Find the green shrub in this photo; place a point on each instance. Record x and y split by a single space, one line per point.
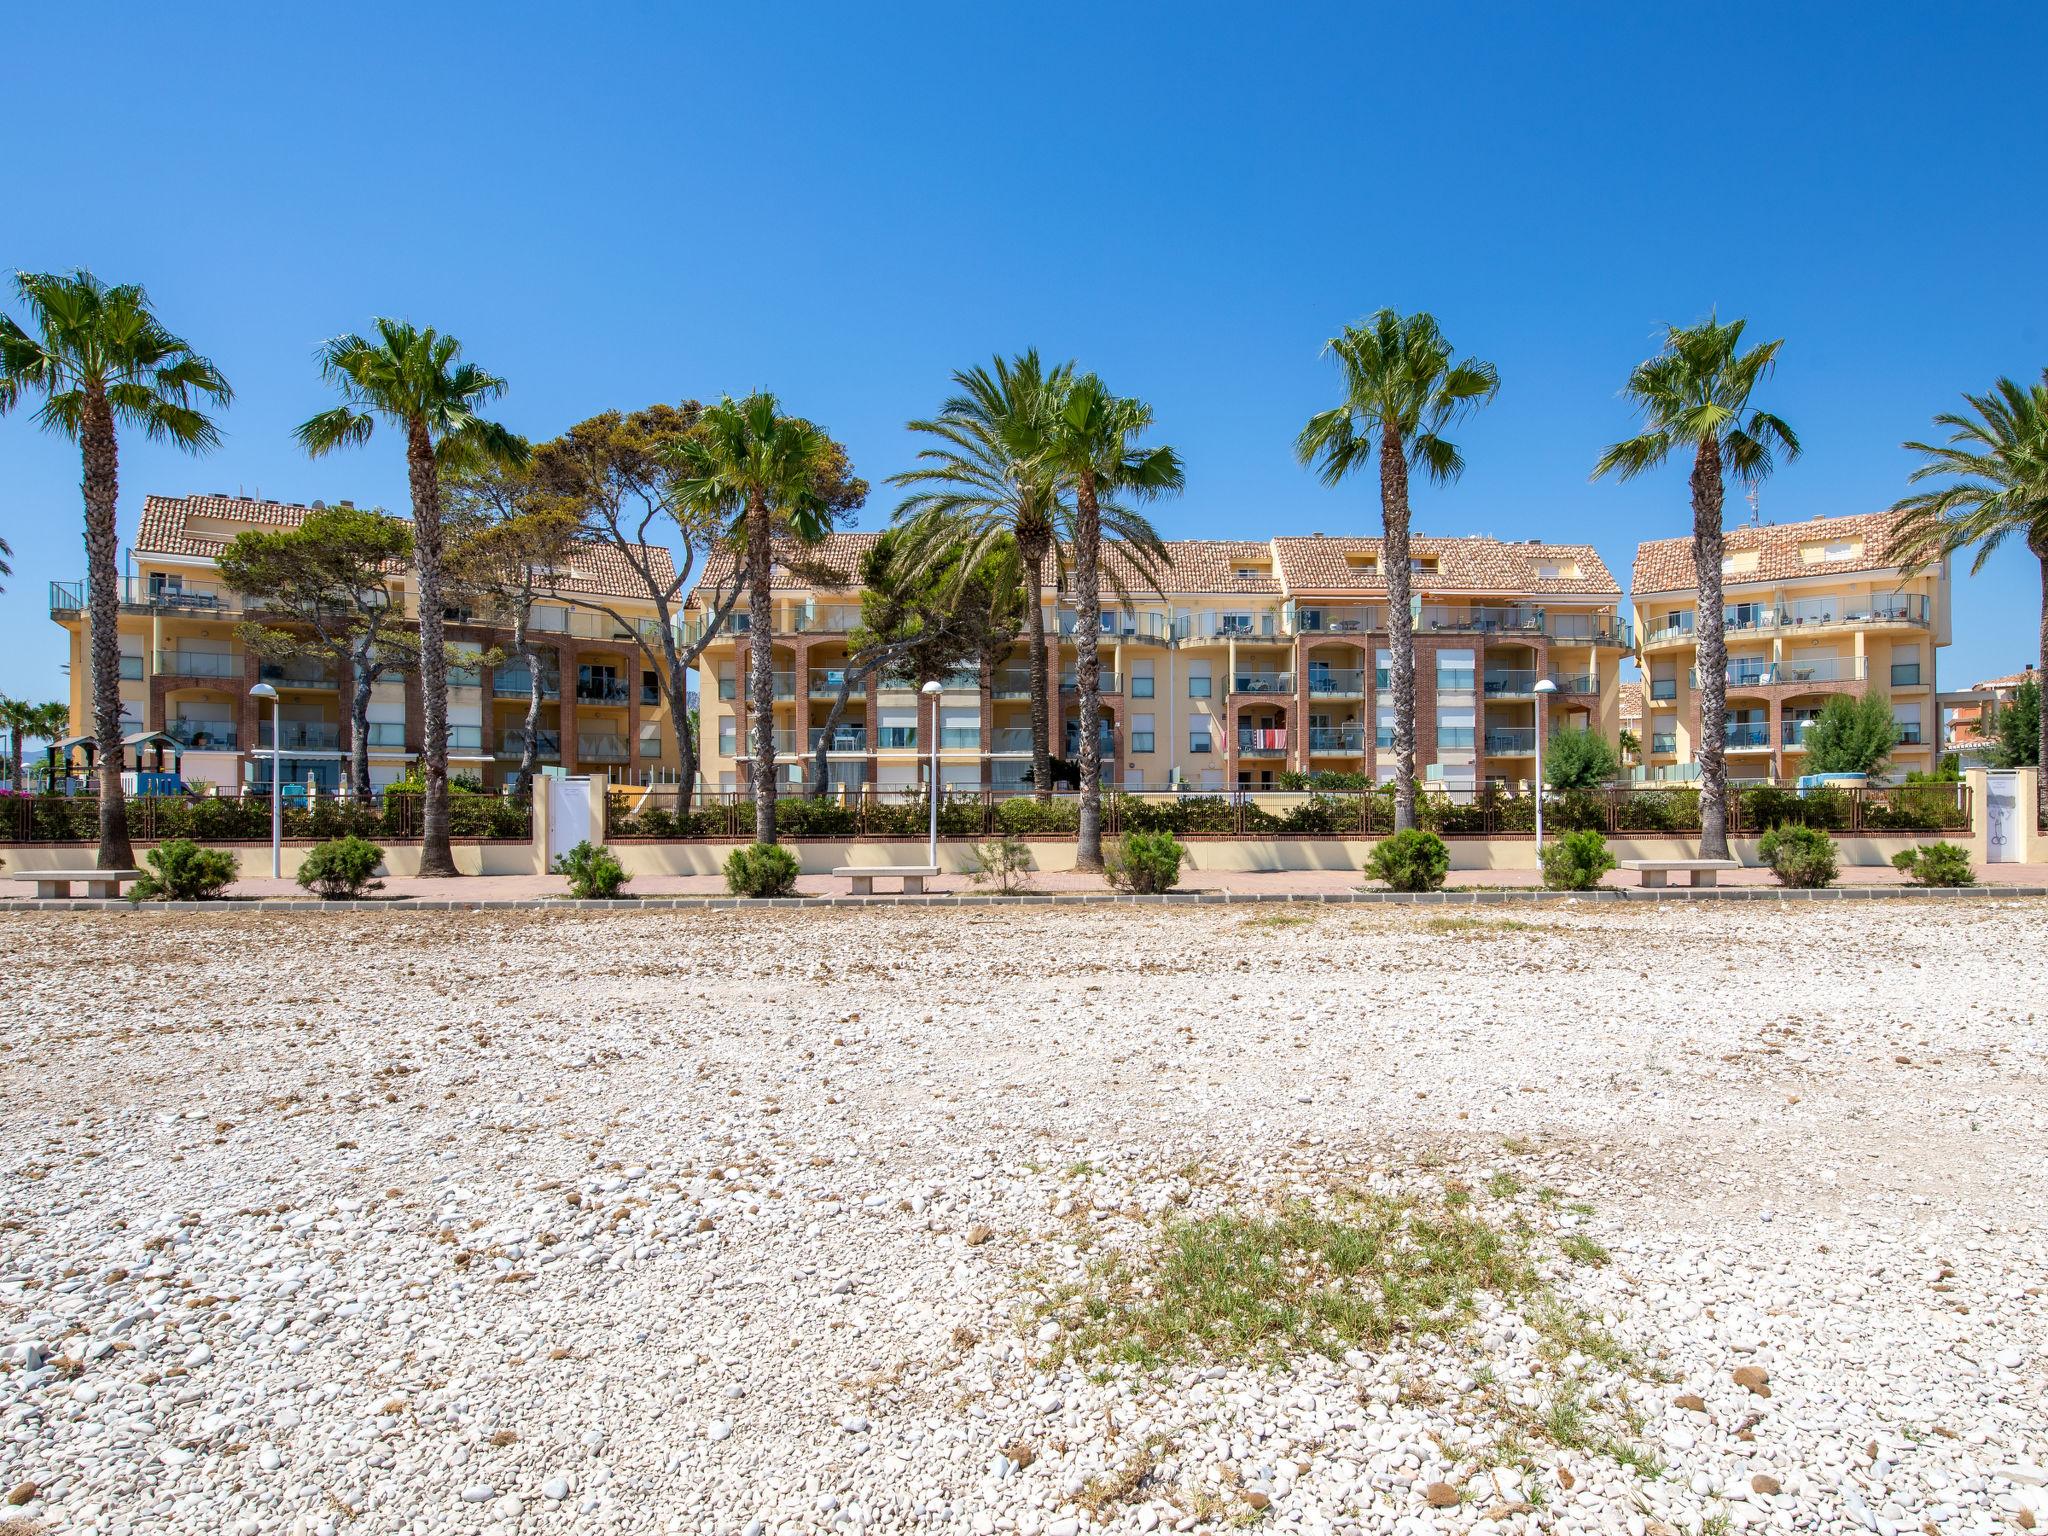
1575 810
344 867
181 870
1002 862
1414 860
1936 864
1579 759
593 873
1767 806
764 869
1800 856
1658 810
1576 861
1028 816
815 818
1929 806
1145 862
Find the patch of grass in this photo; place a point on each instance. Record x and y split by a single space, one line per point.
1106 1490
1503 1186
1568 1331
1644 1463
1581 1249
1083 1170
1277 920
1564 1420
1480 925
1548 1196
1717 1525
1517 1146
1580 1208
1258 1287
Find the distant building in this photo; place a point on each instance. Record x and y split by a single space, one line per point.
1968 715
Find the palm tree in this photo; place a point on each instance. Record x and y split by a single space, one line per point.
976 492
1997 465
1090 439
1695 394
416 380
101 359
25 721
770 474
1402 389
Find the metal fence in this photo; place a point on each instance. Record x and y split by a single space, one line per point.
397 817
874 813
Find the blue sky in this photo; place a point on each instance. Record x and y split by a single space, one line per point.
845 203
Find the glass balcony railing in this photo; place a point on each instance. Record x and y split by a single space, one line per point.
180 663
602 689
1262 682
1510 741
600 748
1668 743
1807 669
1010 739
1454 679
1383 737
1323 619
519 682
1110 682
1336 682
824 618
387 733
1483 620
1748 735
845 738
1457 738
203 735
896 738
302 735
959 738
1258 624
1580 682
1510 683
783 683
1011 683
1262 743
546 744
1793 732
1341 739
300 674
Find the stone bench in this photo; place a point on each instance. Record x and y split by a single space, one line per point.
57 883
1701 872
912 875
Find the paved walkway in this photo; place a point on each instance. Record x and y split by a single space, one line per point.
1276 883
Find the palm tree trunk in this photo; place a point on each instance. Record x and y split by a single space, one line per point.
436 858
1400 630
359 725
760 566
1041 670
1088 667
101 456
529 750
1712 653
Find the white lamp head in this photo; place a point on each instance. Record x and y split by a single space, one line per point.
263 691
932 687
1545 685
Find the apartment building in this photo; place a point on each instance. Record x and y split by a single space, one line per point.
1247 660
1969 717
1811 609
185 673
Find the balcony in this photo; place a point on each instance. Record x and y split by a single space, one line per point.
1580 682
219 665
302 736
1258 625
1339 740
1325 620
1336 682
603 690
1510 683
599 748
301 674
1811 669
152 594
1792 733
1110 683
1483 621
1676 631
546 744
517 681
203 735
1152 627
1262 743
896 738
1454 679
1749 736
1510 741
825 619
827 680
1262 682
1010 683
1010 740
1591 629
783 684
959 738
845 738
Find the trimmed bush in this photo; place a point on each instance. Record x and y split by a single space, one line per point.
1027 816
346 867
593 873
1145 862
765 869
815 818
1936 864
1576 861
181 870
1801 857
1414 860
1768 806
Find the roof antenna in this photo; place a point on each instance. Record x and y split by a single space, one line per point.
1755 521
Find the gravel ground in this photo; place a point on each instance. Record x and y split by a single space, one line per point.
744 1222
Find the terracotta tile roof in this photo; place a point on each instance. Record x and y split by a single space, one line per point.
1998 684
1665 565
1317 565
596 570
835 553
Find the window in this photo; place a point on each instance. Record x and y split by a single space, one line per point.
1907 718
1664 683
1141 733
1454 728
1383 726
1198 680
1905 666
1454 670
650 738
650 688
1382 668
1198 736
726 736
1141 679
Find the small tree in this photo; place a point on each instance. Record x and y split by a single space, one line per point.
331 579
1579 759
23 720
505 545
1854 734
2016 728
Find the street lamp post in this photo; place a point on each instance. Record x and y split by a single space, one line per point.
931 691
1544 688
265 691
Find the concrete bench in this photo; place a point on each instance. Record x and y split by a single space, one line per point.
51 883
912 875
1702 872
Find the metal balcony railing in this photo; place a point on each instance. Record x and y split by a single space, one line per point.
600 749
1262 682
1511 741
1748 735
1510 683
1326 619
299 674
204 735
545 744
1340 739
